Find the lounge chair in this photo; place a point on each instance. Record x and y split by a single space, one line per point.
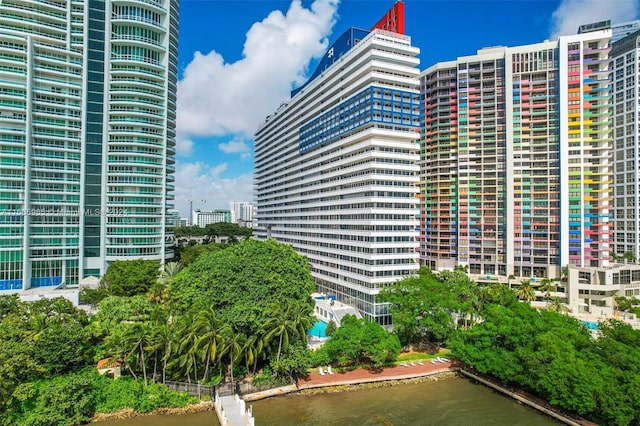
404 364
321 371
420 363
433 361
329 370
445 360
413 364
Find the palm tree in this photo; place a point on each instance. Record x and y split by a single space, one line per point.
138 339
163 342
557 306
117 344
37 325
287 322
187 347
525 292
158 291
300 315
169 271
628 256
234 346
253 348
467 296
212 334
547 286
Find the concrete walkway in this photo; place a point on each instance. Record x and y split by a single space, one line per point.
231 411
354 377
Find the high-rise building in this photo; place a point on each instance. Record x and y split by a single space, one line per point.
242 213
87 135
517 170
625 54
336 166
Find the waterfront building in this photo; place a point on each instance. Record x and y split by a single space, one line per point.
625 54
203 218
517 165
87 135
336 166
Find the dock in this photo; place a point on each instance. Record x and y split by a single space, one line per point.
232 411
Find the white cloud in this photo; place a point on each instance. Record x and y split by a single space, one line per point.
184 146
216 98
202 183
216 171
570 14
236 146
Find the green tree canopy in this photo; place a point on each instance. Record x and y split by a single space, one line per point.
422 308
242 281
554 356
218 229
189 254
225 229
131 277
360 341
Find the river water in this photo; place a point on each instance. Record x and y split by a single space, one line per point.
454 401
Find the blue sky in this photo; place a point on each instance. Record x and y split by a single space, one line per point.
238 60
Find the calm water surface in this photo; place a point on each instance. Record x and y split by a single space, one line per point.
448 402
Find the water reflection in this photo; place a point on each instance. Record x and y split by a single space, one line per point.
448 402
453 401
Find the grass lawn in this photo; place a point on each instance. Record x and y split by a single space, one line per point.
421 356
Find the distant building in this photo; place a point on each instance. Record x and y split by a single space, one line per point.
242 213
204 218
173 219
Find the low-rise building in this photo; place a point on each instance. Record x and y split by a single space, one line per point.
593 290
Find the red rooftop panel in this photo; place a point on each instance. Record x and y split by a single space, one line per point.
393 20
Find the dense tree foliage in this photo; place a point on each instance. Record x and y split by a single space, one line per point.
243 281
131 277
74 399
214 229
239 309
124 278
542 351
427 308
554 356
188 254
359 341
247 306
39 340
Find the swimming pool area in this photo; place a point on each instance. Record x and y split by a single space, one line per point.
318 330
591 325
